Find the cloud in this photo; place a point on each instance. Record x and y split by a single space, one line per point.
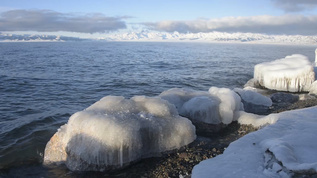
51 21
295 5
286 24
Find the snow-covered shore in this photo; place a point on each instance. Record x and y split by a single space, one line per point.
283 149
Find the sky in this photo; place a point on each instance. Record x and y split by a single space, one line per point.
100 17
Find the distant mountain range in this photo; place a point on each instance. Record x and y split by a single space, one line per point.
4 37
212 37
173 37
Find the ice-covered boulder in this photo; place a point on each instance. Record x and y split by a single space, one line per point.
202 108
230 103
115 131
293 73
254 102
287 148
218 105
196 105
178 96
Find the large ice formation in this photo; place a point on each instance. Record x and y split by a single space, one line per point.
284 149
116 131
293 73
219 105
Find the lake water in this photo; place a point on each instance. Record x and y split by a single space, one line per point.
42 84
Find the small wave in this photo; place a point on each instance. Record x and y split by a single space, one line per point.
21 141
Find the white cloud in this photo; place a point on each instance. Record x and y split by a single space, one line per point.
51 21
295 5
286 24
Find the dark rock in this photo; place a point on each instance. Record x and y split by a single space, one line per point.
255 109
281 97
203 128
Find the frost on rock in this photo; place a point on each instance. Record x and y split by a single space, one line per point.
219 105
115 131
254 102
287 148
293 73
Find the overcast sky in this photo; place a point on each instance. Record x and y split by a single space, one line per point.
290 17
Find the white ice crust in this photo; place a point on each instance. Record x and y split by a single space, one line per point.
230 103
278 150
293 73
256 120
116 131
218 105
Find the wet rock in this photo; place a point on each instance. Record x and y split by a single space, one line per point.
281 97
208 129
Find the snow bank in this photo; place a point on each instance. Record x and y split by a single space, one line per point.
293 73
219 105
283 149
116 131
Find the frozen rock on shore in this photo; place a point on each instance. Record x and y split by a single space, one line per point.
287 148
217 106
293 73
254 102
115 131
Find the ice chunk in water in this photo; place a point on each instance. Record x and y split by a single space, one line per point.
115 131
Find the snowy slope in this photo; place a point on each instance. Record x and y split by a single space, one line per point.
284 149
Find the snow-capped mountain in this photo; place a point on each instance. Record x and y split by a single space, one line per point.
211 37
172 37
4 37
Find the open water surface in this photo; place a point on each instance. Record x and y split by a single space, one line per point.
42 84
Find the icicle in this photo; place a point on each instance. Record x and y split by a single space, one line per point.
121 156
316 57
